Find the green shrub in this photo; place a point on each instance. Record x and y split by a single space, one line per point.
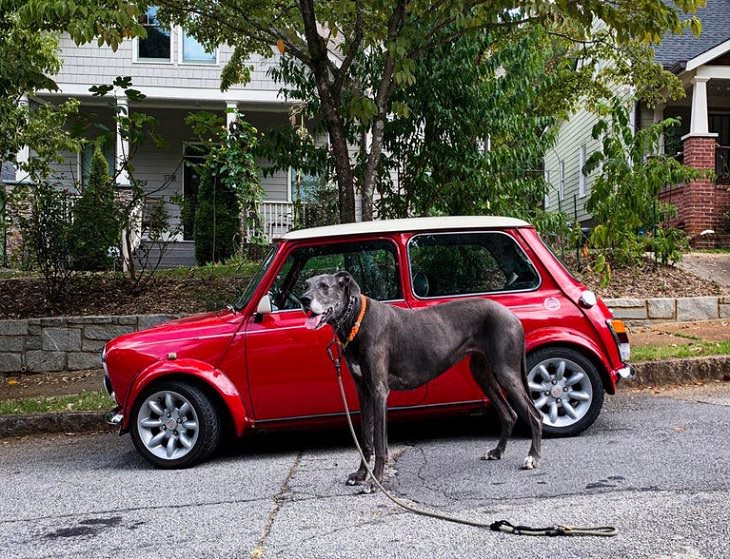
217 229
96 222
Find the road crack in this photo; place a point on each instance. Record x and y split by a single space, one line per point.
279 500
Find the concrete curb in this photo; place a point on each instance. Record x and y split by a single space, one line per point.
63 422
648 373
682 371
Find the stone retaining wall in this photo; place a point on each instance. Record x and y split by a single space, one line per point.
682 309
75 343
64 343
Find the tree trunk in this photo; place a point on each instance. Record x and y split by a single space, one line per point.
366 196
330 100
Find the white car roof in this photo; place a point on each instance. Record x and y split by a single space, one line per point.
411 224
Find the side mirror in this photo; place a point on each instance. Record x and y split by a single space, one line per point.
264 306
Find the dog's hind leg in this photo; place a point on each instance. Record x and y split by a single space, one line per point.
366 432
507 416
511 381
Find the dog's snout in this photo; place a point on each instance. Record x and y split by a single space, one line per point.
306 300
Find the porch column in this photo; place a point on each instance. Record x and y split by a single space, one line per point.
698 123
23 156
231 113
697 207
132 234
658 117
122 151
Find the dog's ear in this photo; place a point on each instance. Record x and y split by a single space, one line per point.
348 284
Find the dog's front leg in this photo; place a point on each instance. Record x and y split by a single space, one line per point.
366 427
380 435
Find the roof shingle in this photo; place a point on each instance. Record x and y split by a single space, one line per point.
715 16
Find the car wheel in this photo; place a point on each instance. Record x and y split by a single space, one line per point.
566 389
175 425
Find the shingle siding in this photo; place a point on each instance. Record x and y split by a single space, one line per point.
92 65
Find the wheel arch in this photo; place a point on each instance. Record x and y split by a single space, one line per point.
213 382
554 338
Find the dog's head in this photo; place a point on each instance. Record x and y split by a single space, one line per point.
327 297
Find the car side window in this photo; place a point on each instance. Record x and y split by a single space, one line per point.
373 264
448 264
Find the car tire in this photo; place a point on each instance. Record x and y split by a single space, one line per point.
175 425
566 388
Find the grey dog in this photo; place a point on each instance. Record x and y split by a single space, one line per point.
402 349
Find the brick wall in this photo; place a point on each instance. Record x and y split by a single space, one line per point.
700 204
64 343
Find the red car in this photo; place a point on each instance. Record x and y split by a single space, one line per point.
255 365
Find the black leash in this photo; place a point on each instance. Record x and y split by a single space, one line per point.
499 526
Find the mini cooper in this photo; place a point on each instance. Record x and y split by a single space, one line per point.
256 366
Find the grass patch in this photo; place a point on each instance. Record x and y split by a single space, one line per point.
722 250
661 352
233 268
86 401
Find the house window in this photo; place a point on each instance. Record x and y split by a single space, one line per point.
194 53
561 184
85 156
581 176
157 45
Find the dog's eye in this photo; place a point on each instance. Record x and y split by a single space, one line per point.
324 287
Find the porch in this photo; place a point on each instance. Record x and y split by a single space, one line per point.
168 171
702 141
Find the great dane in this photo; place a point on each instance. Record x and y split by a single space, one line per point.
387 347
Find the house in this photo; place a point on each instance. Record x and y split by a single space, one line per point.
701 141
178 77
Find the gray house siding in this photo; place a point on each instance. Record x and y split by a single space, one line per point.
161 167
574 134
89 64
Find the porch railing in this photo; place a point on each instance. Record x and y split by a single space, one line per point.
277 218
722 164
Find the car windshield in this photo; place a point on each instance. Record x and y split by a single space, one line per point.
256 279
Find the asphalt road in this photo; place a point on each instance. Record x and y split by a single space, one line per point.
655 466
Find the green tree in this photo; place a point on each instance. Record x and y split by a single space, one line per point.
231 193
332 39
217 228
623 197
472 138
96 225
27 59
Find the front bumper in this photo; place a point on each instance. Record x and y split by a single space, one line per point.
115 418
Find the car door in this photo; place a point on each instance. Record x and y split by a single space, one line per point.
290 375
448 266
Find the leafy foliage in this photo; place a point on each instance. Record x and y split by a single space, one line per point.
437 148
96 228
217 224
623 198
43 213
229 171
360 54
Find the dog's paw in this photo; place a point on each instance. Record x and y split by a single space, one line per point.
368 487
494 454
356 478
530 463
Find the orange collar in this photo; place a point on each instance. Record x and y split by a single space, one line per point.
356 326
